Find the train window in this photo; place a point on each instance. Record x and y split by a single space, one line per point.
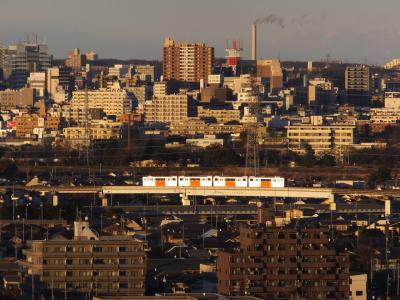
209 179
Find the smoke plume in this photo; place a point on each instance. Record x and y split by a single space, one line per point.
271 19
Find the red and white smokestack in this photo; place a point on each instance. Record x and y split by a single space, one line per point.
254 42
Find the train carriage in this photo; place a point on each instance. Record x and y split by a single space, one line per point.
266 182
193 181
219 181
161 181
214 181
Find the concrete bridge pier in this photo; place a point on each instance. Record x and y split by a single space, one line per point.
55 199
104 201
185 199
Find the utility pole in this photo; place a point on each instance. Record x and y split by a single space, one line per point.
252 153
87 128
129 133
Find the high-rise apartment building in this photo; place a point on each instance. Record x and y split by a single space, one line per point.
22 59
187 61
75 59
89 263
296 261
358 85
167 109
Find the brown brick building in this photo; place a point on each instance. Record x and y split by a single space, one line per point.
25 125
187 61
284 263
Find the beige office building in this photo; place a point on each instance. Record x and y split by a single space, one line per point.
271 69
88 263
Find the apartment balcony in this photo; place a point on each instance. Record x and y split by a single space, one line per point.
318 277
254 253
105 254
105 267
319 288
255 277
256 289
312 265
132 266
286 265
236 276
282 253
282 241
76 255
318 252
281 276
276 289
315 241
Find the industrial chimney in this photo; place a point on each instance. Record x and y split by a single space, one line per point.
254 42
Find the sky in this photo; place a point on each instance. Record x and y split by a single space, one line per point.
359 31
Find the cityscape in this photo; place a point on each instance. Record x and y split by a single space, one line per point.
195 173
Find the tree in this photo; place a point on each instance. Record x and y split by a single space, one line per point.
308 159
326 160
217 155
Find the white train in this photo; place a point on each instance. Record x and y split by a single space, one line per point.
214 181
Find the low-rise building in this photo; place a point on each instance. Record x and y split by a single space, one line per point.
98 131
167 109
221 115
195 126
206 141
25 124
320 137
88 263
358 287
385 115
10 99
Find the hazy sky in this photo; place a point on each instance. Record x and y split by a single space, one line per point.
351 30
